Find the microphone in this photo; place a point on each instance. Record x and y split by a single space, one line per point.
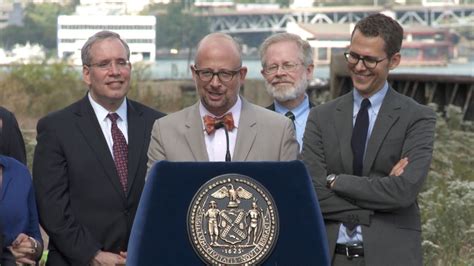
220 125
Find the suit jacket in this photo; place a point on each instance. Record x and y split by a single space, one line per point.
81 203
385 206
18 212
262 136
11 140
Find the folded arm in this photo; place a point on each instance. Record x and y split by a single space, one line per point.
386 190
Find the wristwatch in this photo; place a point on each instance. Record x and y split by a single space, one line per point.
330 179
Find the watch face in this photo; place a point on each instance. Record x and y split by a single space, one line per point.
329 179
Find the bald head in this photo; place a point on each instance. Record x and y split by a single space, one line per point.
218 57
219 42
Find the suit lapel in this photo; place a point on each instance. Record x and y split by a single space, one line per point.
136 140
247 132
343 123
90 129
195 134
388 115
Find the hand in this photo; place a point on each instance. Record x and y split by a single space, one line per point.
108 258
398 168
23 249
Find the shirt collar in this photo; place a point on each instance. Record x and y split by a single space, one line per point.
235 110
375 100
102 113
297 111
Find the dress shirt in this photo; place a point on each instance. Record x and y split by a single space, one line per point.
105 123
301 113
373 110
216 143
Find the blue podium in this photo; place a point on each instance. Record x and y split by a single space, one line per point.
159 234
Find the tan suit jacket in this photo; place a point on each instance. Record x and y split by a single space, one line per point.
262 135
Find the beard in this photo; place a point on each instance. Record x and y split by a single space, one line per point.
287 92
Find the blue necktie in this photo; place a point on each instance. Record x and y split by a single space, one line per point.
359 137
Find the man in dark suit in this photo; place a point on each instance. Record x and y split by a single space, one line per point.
287 66
11 140
90 161
369 152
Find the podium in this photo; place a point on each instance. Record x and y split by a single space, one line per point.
159 234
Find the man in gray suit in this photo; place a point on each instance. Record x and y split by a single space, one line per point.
222 125
369 152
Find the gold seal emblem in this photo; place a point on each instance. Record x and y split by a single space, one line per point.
233 220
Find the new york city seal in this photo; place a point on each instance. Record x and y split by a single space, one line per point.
233 220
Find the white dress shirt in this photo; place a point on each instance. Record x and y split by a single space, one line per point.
105 123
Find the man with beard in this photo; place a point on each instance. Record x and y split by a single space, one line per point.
287 66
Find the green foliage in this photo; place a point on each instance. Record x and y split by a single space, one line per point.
179 30
39 26
447 202
36 90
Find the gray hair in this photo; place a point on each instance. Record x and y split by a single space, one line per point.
99 36
306 52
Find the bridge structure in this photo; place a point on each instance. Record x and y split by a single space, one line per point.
238 22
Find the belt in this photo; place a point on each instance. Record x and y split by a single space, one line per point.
351 251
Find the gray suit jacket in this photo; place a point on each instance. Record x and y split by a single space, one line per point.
262 135
384 205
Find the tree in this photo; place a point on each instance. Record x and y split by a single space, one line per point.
39 26
180 30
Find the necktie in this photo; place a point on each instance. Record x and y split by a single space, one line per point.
291 116
359 137
211 122
120 150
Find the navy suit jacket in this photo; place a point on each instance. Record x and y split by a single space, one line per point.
81 203
18 213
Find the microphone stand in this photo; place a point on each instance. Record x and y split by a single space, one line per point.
220 125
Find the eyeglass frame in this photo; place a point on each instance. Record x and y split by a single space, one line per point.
363 58
234 72
282 67
106 65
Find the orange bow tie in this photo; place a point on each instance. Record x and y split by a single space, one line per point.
211 122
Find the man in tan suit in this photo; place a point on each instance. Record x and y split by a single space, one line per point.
254 133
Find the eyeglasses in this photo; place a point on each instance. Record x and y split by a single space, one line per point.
107 64
287 67
369 61
208 74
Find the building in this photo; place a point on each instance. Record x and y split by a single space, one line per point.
422 45
325 39
11 14
138 31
